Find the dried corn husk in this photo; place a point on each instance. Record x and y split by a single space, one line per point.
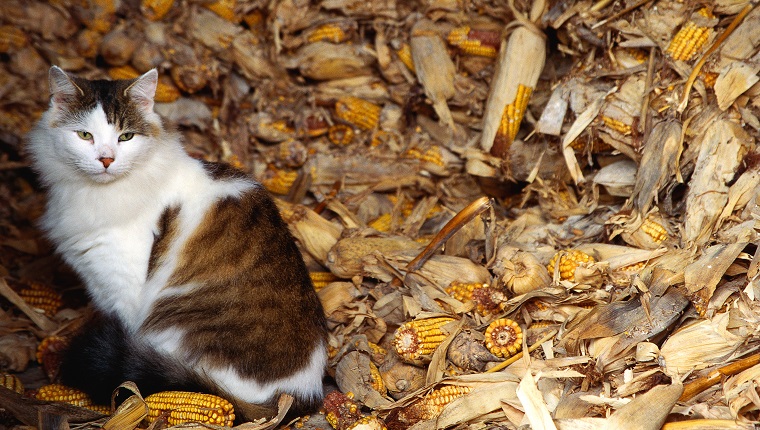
316 234
325 60
722 146
520 62
434 68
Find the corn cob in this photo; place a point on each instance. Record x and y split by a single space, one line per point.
419 338
340 134
504 337
279 181
154 10
619 126
225 9
382 223
654 229
569 260
185 407
321 279
431 406
377 353
11 382
341 410
358 112
405 55
41 297
102 17
709 78
62 393
487 300
315 126
690 39
253 19
633 268
49 354
537 325
512 117
376 379
431 155
10 38
166 91
327 33
483 43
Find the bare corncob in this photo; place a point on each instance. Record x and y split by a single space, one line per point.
654 229
432 404
690 39
419 338
504 337
321 279
154 10
11 38
569 260
185 407
11 382
62 393
382 223
432 155
41 297
513 115
617 125
483 43
359 112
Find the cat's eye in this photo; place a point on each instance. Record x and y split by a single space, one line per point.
84 135
126 136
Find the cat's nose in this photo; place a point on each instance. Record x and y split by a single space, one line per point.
106 161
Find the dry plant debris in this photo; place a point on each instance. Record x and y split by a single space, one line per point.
615 139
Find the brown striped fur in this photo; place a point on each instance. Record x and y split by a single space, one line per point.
255 305
167 230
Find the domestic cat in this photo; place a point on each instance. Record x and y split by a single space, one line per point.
196 281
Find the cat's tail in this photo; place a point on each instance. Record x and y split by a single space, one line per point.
104 355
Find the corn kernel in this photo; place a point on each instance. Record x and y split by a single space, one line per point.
185 407
504 337
419 338
568 261
361 113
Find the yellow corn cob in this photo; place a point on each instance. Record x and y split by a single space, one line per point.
279 181
430 406
321 279
62 393
361 113
327 33
488 300
632 268
377 380
405 55
462 291
483 43
709 78
225 9
537 325
382 223
504 337
340 134
619 126
431 155
513 115
654 229
41 297
415 339
407 208
11 382
11 37
154 10
253 19
186 407
166 91
689 39
378 352
568 261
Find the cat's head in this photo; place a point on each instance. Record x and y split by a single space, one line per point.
98 128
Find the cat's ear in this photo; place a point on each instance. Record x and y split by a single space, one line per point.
62 87
143 89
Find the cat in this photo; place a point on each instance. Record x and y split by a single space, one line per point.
196 282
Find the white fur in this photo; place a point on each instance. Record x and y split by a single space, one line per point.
103 223
305 384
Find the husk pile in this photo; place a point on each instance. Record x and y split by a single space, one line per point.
383 126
